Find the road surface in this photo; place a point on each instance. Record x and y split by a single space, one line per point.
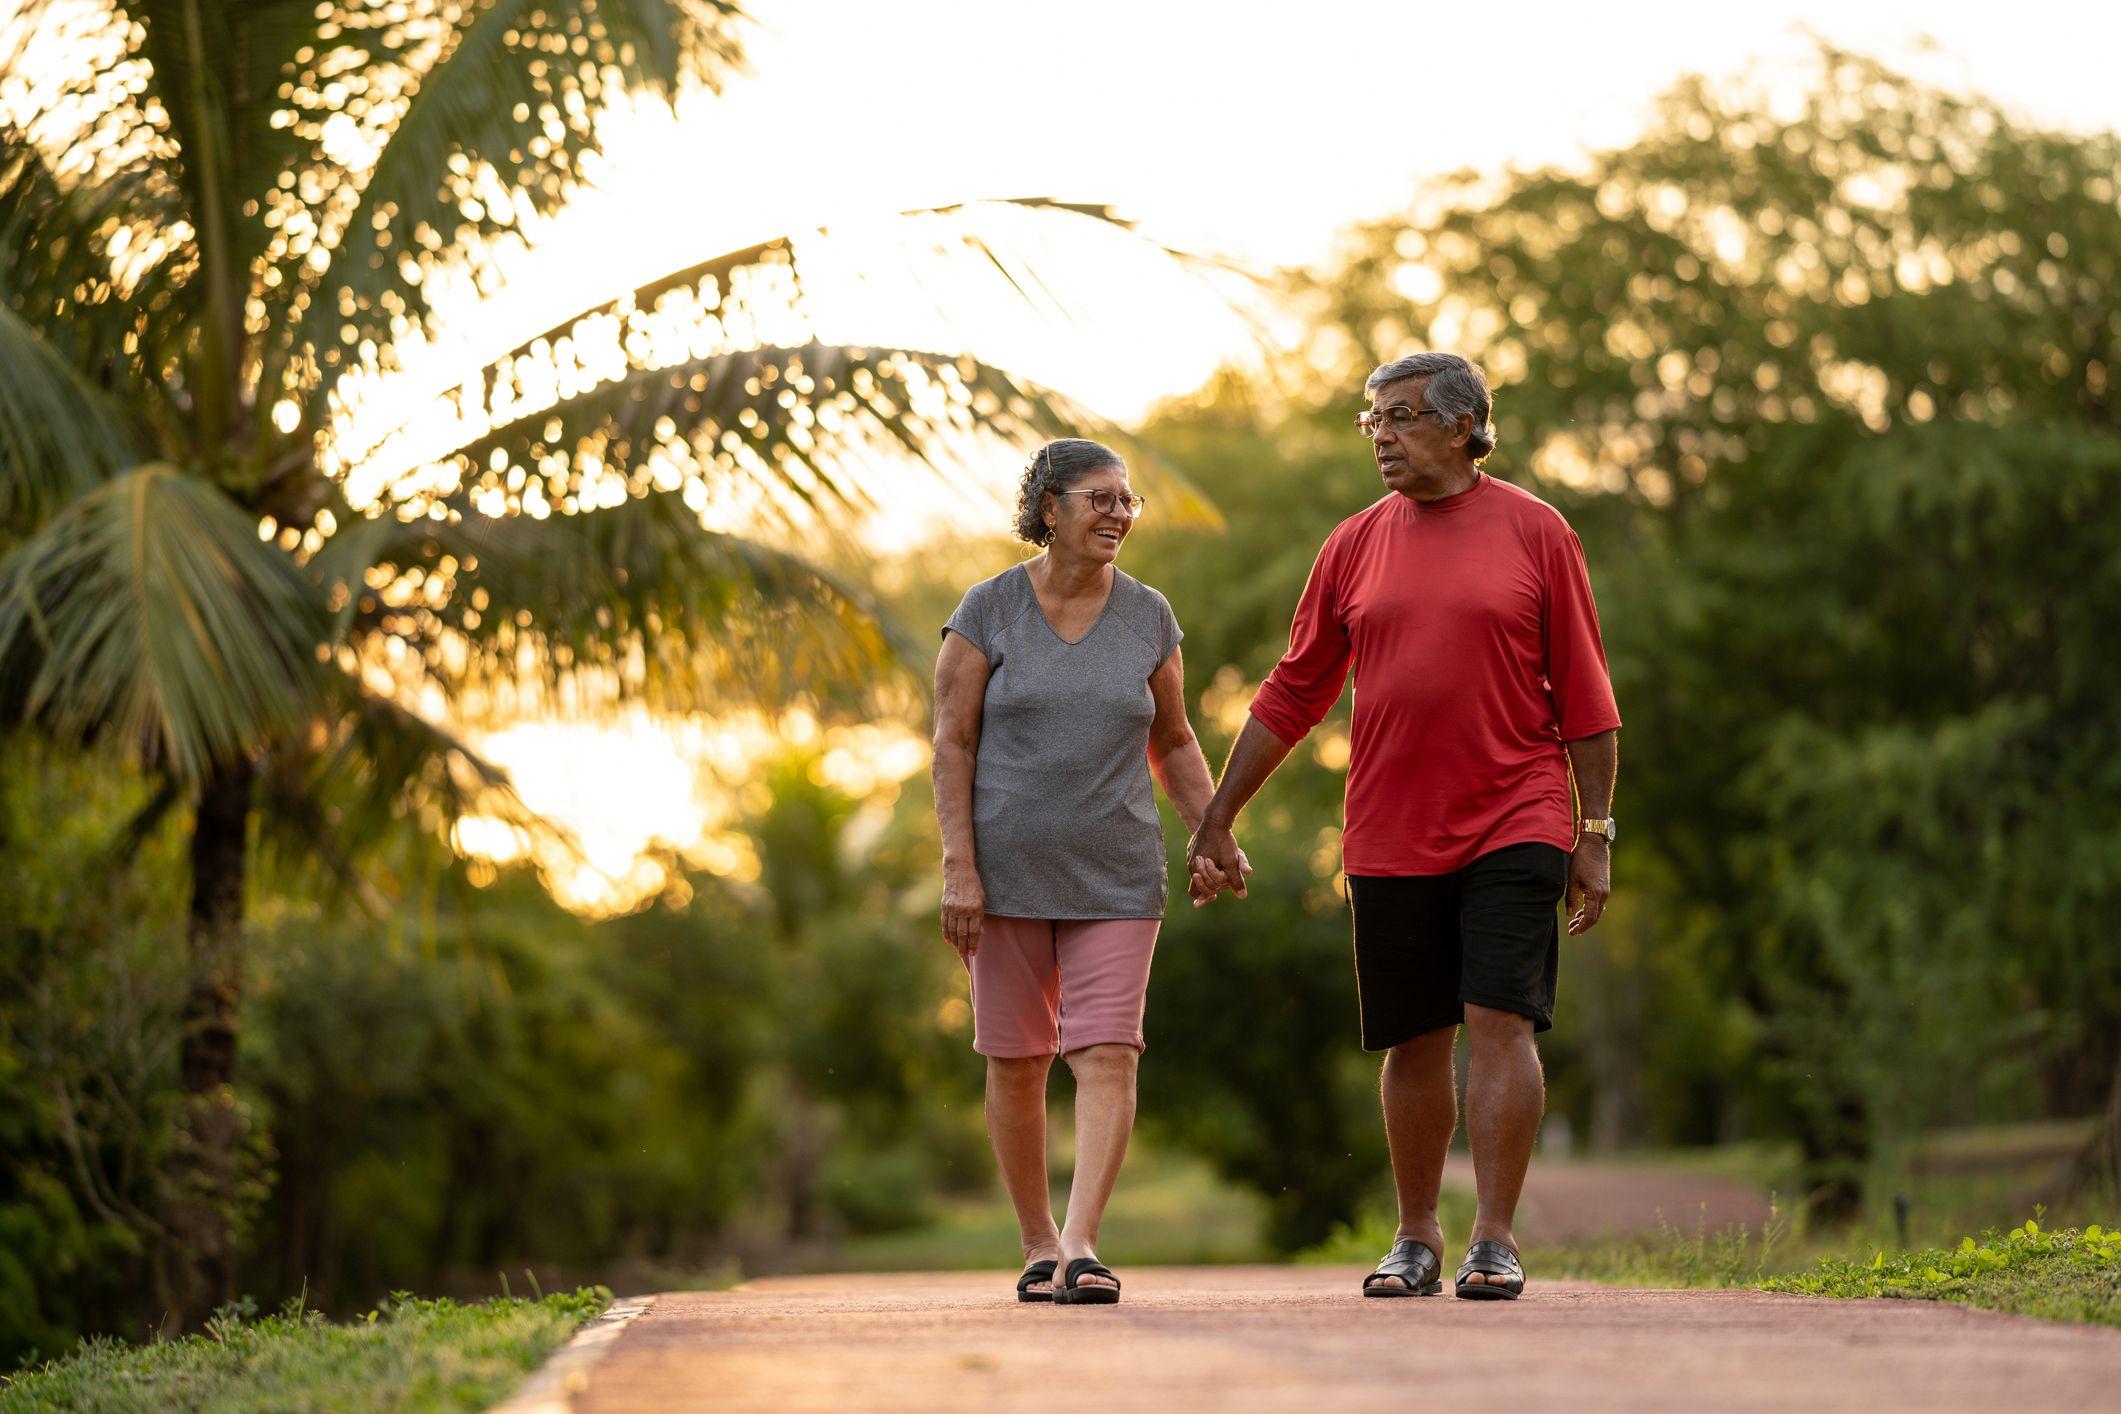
1300 1338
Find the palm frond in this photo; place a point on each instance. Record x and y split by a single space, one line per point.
633 602
763 428
149 611
94 258
605 386
59 435
487 123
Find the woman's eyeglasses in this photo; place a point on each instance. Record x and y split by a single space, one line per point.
1396 418
1107 503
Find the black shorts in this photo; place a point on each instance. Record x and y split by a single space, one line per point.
1427 944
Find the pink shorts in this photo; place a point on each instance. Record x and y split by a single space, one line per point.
1042 985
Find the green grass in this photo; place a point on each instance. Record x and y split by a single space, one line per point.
2069 1275
1168 1210
407 1354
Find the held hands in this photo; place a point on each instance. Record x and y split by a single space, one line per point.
964 909
1214 863
1590 882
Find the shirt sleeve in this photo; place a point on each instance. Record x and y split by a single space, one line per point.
971 621
1168 634
1308 680
1576 667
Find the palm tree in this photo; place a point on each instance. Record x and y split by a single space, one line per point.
204 230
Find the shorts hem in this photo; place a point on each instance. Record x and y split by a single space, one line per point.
1541 1020
1070 1045
1418 1029
1156 917
1014 1052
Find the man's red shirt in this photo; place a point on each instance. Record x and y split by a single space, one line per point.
1475 643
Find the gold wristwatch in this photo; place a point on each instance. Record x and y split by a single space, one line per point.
1598 827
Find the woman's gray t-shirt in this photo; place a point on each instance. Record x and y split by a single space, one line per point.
1063 813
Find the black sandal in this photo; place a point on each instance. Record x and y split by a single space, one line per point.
1069 1294
1412 1261
1041 1270
1490 1259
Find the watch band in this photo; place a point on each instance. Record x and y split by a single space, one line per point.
1603 827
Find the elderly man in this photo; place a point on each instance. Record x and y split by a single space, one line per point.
1481 690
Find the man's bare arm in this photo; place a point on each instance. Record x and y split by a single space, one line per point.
1594 761
1213 855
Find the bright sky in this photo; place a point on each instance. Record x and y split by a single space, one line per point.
1262 126
1244 128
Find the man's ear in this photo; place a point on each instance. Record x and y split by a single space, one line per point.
1462 430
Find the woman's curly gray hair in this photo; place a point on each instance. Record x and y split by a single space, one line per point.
1054 468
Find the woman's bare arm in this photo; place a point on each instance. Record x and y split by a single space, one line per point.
1174 752
960 693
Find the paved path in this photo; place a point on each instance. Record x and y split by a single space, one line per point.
1297 1338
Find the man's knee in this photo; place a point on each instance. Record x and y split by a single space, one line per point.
1488 1026
1428 1051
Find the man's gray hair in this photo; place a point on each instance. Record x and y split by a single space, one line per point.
1456 388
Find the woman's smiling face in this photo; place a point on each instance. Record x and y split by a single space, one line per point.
1079 529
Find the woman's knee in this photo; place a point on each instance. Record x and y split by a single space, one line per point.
1018 1072
1103 1063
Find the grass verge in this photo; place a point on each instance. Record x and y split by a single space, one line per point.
2068 1275
408 1353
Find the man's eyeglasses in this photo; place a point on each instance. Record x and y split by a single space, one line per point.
1108 502
1396 418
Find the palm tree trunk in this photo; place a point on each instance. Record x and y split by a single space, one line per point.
206 1172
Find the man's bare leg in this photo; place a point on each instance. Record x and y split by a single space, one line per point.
1016 1126
1420 1094
1104 1120
1505 1097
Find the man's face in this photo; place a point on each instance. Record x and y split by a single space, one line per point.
1418 459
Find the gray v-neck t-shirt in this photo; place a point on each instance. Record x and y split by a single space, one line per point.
1064 816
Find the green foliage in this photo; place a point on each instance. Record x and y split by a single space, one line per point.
2070 1275
407 1353
89 991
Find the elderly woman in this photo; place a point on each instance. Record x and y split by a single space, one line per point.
1058 691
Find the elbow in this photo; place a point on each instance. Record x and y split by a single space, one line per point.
1169 745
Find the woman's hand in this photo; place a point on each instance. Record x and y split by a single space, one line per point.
1215 863
964 909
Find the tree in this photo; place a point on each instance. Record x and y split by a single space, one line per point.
214 228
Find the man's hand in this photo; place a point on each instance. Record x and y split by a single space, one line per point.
1214 863
1590 882
964 909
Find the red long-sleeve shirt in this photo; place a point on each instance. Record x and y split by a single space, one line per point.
1475 643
